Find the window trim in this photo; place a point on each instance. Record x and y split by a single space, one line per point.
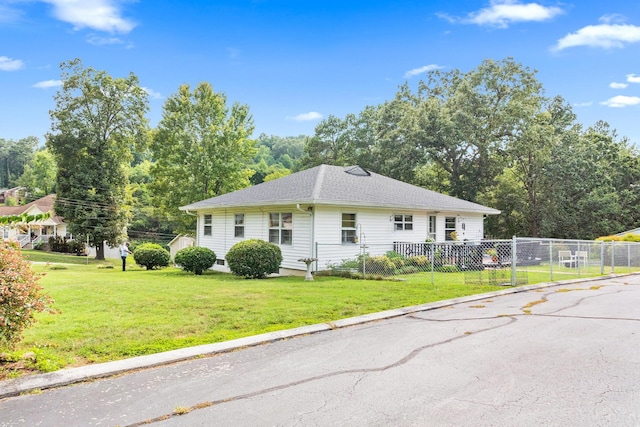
238 228
448 231
283 228
402 222
349 232
207 223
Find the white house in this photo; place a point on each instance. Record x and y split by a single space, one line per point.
33 232
327 212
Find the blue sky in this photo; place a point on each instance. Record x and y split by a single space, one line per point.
296 62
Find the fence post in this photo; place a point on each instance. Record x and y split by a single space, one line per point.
551 260
577 258
513 261
602 258
628 257
433 261
613 258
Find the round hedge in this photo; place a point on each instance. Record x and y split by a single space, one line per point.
195 259
254 258
151 256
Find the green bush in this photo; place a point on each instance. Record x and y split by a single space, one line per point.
380 265
21 297
66 246
195 259
151 256
418 261
254 258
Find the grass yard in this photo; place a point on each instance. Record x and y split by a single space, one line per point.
107 314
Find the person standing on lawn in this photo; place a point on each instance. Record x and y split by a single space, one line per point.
124 252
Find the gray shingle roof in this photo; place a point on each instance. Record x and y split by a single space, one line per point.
337 185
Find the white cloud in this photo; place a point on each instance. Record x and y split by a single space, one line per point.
8 64
583 104
632 78
48 83
152 93
615 85
101 41
421 70
501 13
621 101
605 36
102 15
9 14
306 117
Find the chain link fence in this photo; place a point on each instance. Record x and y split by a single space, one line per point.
511 262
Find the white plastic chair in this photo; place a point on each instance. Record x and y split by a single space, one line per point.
566 258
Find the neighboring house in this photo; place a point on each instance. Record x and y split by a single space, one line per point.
11 193
33 232
180 242
338 207
635 231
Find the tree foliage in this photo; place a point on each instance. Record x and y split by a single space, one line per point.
96 122
490 135
21 296
202 149
39 175
14 157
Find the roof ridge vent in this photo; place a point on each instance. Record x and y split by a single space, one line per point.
357 171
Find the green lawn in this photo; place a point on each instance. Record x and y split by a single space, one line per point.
107 314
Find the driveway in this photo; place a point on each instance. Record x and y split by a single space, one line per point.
564 355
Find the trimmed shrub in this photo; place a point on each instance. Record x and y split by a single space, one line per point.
66 246
20 295
151 256
195 259
254 258
380 264
418 261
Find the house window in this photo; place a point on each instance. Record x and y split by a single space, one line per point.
239 225
449 227
208 222
348 228
403 222
432 228
281 228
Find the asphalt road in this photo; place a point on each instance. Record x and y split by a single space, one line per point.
566 355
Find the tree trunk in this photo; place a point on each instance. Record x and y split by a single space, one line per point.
100 251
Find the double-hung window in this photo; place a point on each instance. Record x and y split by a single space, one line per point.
281 228
208 224
449 228
402 222
239 225
348 228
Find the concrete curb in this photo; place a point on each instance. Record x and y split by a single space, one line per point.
64 377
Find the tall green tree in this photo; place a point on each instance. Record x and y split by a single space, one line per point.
39 175
14 156
202 148
464 120
96 121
